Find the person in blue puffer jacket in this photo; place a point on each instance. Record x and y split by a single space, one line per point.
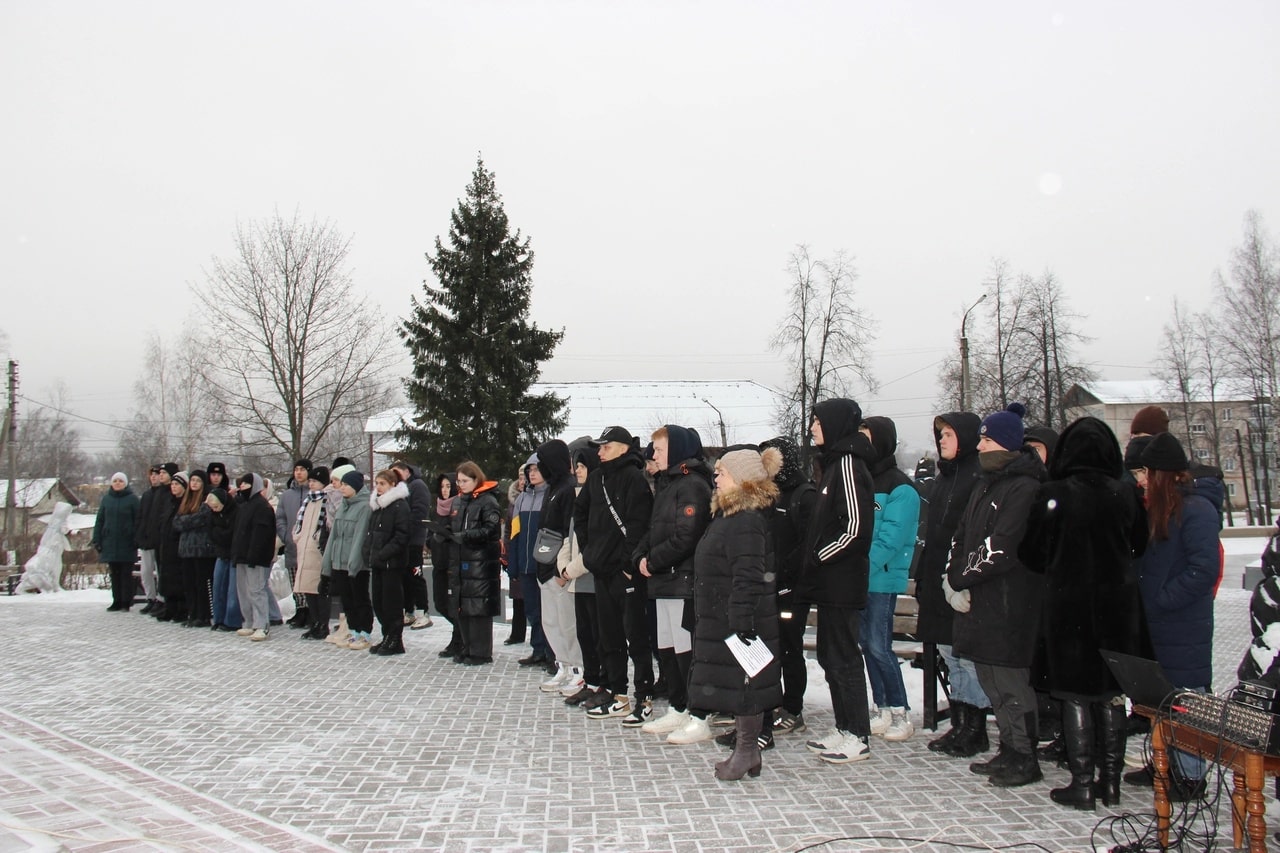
893 545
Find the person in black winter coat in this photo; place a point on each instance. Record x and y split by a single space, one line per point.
996 597
835 573
956 436
226 601
145 535
417 598
611 516
559 624
253 548
681 512
474 564
788 526
387 542
734 596
1083 532
192 523
167 555
441 512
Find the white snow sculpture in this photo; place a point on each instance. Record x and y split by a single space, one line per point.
43 572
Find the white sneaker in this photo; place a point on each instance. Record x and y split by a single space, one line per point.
880 720
258 635
420 621
850 748
667 723
358 642
620 707
573 682
695 730
339 638
900 727
244 632
552 684
825 744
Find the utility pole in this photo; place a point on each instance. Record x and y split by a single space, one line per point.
10 439
724 440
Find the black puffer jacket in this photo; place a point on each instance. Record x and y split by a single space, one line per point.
147 532
839 537
254 540
222 528
167 536
193 533
606 550
734 592
1083 532
421 508
789 521
474 555
947 498
681 512
1005 596
387 539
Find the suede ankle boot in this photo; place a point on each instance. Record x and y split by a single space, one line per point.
745 759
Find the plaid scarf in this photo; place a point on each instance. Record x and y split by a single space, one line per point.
312 497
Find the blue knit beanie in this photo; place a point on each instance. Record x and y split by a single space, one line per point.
1005 428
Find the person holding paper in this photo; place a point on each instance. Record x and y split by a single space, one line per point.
735 603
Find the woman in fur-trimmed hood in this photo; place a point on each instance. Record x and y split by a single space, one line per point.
734 595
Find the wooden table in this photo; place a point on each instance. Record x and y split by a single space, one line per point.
1249 771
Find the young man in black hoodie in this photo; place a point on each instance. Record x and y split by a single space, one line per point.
997 599
835 572
421 504
253 547
610 518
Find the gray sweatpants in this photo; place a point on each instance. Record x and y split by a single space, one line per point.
148 573
251 587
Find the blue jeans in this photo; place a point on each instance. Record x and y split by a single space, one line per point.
876 638
964 680
226 603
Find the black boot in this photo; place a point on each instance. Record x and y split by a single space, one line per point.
959 718
1002 757
1022 768
301 619
972 739
390 646
1078 738
745 759
1110 733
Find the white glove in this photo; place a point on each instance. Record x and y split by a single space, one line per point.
959 601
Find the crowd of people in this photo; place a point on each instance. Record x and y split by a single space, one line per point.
1031 552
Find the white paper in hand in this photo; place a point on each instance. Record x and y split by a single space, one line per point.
751 657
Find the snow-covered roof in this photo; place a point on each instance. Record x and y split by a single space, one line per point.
29 493
75 521
748 408
1149 391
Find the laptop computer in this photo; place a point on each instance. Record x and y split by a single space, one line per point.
1142 680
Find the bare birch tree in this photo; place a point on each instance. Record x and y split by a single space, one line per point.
299 348
825 333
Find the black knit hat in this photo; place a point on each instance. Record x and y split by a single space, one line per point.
1164 453
320 473
171 467
303 463
1133 453
354 479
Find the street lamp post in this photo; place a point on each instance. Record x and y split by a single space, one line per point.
964 355
724 440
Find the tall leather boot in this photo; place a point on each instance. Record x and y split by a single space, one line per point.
959 719
972 739
1078 738
1111 732
745 759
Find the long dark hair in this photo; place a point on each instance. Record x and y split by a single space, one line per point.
1164 500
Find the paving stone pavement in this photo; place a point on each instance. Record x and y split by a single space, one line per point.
118 732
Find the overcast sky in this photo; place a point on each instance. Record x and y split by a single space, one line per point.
665 158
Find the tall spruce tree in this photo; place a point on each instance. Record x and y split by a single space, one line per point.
475 353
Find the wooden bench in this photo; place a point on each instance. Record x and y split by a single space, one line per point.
907 646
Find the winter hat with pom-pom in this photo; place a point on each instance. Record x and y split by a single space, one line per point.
1149 420
749 465
1005 428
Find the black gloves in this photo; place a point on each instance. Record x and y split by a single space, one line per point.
748 637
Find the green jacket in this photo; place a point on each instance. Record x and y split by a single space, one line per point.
344 552
114 527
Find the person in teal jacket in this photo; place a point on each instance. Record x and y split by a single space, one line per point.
893 544
113 536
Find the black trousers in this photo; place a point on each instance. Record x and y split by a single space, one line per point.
624 631
197 586
121 584
587 619
840 656
388 601
795 671
354 592
415 583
